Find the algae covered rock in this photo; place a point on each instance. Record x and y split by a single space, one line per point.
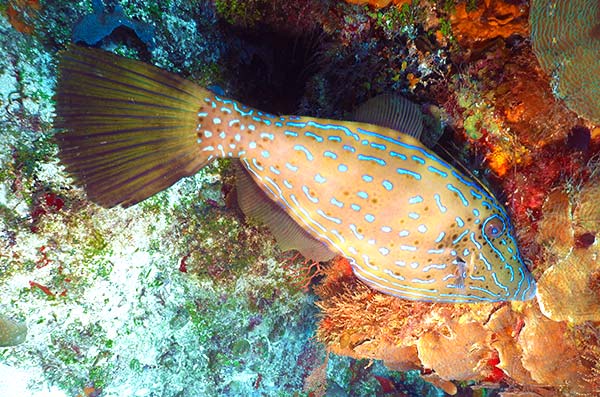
11 332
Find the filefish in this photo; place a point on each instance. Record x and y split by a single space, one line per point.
410 223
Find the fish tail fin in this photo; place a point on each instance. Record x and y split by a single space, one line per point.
130 128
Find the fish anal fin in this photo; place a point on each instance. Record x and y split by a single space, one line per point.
289 235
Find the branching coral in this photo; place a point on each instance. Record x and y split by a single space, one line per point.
486 342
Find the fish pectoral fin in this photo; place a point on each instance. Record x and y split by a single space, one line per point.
289 235
392 111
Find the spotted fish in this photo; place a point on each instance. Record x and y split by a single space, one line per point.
410 223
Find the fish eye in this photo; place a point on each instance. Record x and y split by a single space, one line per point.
493 227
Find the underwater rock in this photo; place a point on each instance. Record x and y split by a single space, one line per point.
94 27
550 354
503 324
568 288
454 351
11 332
567 291
566 41
489 20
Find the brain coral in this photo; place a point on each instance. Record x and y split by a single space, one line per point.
566 41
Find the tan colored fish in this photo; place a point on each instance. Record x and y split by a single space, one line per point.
410 223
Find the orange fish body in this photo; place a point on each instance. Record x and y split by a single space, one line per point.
410 223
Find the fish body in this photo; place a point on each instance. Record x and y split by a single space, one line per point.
410 223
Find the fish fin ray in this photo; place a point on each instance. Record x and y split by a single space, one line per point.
129 127
392 111
289 235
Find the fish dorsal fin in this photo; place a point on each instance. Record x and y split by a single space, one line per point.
392 111
289 235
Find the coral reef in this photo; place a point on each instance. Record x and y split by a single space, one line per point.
566 40
488 19
498 344
181 296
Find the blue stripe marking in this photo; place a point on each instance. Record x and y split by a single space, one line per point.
287 184
320 179
349 148
499 284
435 158
329 218
403 171
369 218
364 142
437 171
415 200
372 158
336 202
363 194
274 170
475 194
307 194
367 178
398 155
342 168
436 251
338 235
334 138
330 154
441 236
338 127
418 159
355 232
255 164
291 167
290 133
459 221
460 194
478 278
295 124
316 137
512 272
413 215
487 264
378 146
355 207
484 291
411 248
303 149
465 298
438 201
384 251
387 185
477 244
460 237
